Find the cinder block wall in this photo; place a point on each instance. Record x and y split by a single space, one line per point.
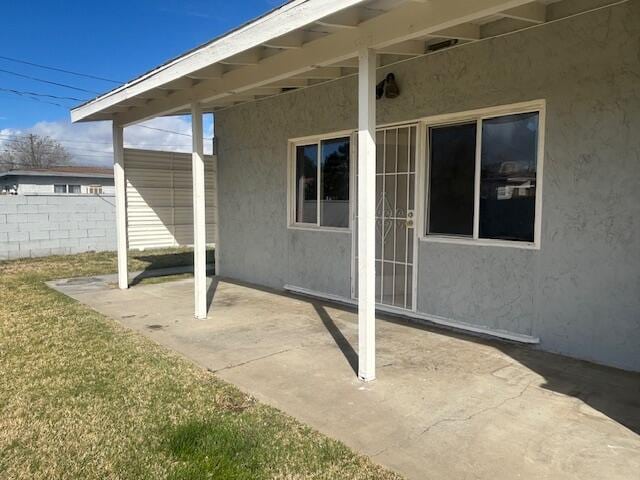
40 225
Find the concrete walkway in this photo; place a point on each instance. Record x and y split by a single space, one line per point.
444 406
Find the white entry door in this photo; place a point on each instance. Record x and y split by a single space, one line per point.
395 217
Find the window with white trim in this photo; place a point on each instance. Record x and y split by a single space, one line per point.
94 189
321 183
482 178
59 189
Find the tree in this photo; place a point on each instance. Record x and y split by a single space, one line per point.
33 151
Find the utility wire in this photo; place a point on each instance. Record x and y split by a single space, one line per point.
165 131
35 99
56 69
64 85
36 94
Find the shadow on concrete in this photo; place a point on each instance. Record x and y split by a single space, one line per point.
343 344
211 291
169 264
613 392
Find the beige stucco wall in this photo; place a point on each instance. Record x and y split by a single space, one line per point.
580 293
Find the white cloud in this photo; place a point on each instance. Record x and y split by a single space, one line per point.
90 143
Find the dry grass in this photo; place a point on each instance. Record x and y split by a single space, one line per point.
83 398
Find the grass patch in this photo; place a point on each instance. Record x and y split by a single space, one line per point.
84 398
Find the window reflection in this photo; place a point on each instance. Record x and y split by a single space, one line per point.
508 177
451 179
334 196
307 184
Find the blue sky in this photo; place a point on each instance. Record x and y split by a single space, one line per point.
117 40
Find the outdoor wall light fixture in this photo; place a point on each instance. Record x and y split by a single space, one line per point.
387 87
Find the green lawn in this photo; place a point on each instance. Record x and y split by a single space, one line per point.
83 398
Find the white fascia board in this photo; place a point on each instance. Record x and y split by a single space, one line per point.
286 19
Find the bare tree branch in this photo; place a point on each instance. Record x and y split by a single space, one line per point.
33 151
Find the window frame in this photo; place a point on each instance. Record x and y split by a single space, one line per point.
95 189
66 188
69 192
291 181
537 106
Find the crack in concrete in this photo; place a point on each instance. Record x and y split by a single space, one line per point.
229 367
451 420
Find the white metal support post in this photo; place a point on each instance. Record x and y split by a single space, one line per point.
199 221
120 182
366 214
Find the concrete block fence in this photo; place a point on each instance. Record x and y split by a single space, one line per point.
40 225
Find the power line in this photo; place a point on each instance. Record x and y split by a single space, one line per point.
23 92
35 99
36 79
165 131
169 131
57 69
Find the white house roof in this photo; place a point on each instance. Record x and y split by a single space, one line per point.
300 44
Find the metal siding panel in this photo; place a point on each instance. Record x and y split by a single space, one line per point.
159 198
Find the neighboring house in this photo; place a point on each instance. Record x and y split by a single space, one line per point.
58 180
493 186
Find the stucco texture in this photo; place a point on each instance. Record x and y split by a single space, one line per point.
580 293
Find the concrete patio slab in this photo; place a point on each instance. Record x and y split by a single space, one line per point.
444 405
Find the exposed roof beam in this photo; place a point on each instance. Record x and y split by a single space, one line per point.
345 19
120 108
323 73
267 91
408 47
533 13
250 57
212 72
410 21
290 83
292 40
466 31
137 101
346 63
179 84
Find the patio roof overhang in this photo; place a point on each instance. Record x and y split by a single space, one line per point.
302 43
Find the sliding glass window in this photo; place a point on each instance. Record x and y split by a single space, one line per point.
307 184
451 175
485 191
322 183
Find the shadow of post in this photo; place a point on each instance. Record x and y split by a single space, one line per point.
168 264
343 344
614 393
211 292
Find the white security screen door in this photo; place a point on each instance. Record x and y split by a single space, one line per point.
395 216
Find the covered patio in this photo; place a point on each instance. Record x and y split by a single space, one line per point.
444 405
299 45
